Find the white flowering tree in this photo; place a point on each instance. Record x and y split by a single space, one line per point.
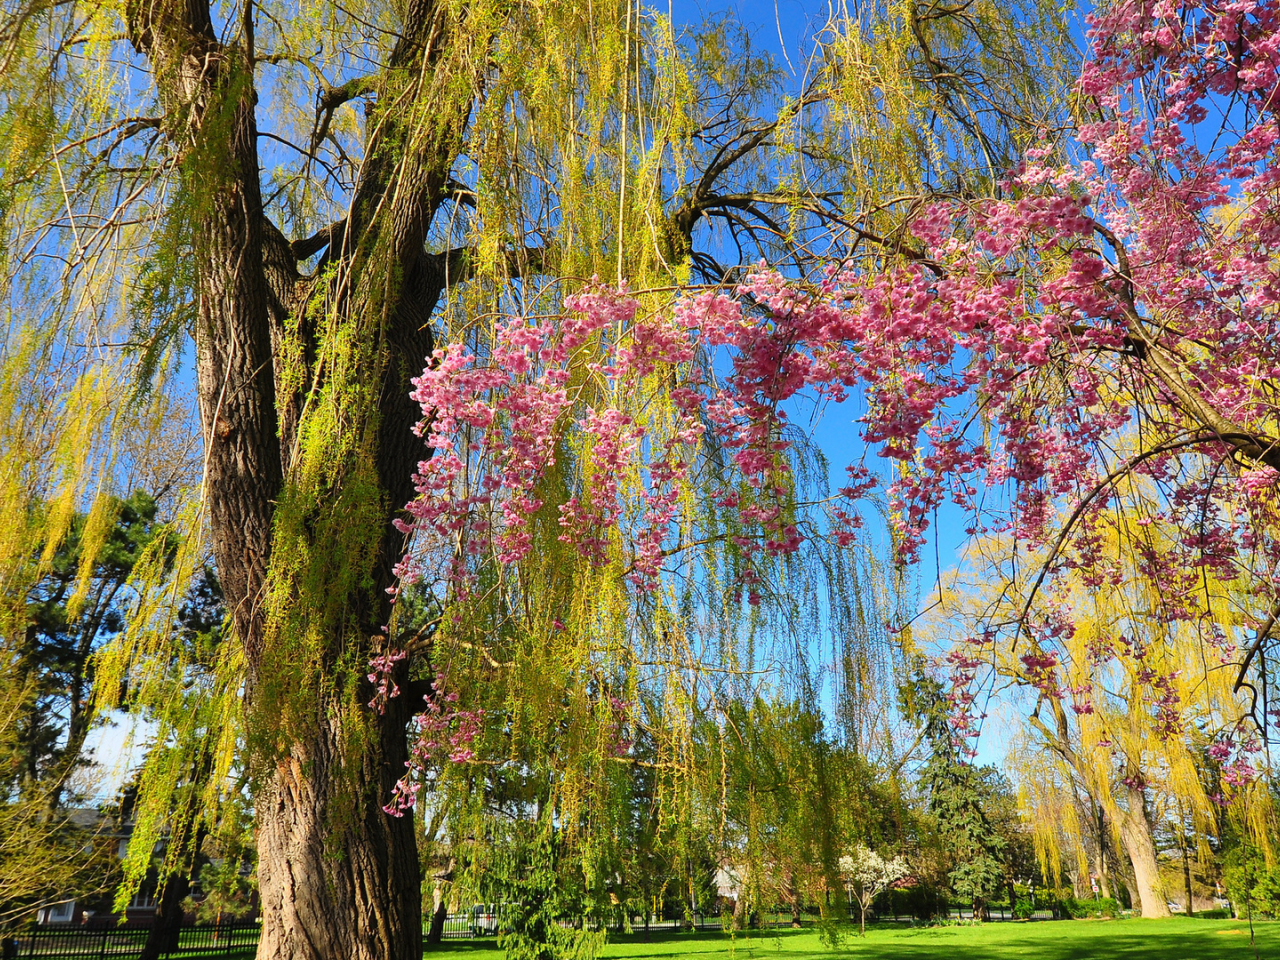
866 874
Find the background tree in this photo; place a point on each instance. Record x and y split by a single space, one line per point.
867 876
186 817
1124 737
960 796
70 612
781 827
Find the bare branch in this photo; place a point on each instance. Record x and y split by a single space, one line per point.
302 249
331 98
458 265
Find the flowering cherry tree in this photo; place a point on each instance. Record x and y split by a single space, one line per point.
1084 363
1098 345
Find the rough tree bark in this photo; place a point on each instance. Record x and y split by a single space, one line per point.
337 878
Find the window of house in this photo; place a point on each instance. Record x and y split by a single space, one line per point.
60 912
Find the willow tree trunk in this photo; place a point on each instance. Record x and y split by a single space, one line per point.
440 913
1104 879
166 925
1186 878
339 878
1140 846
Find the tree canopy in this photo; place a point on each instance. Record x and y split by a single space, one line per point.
494 326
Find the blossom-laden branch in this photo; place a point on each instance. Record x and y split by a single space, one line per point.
1098 311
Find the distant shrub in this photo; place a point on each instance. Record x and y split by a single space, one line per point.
1215 914
1082 909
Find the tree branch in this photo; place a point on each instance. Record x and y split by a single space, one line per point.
326 236
1111 478
458 265
1259 639
330 99
746 140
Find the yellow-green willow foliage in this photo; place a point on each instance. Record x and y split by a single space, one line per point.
321 196
925 99
68 449
1118 711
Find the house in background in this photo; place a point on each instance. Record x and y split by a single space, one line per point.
102 828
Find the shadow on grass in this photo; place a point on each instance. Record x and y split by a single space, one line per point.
657 943
1064 940
461 946
1149 947
1130 940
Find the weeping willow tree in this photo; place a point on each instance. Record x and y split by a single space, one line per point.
313 195
1126 714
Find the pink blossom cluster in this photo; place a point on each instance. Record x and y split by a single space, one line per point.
1128 295
964 664
498 422
1260 481
381 668
441 732
1041 668
618 744
1234 751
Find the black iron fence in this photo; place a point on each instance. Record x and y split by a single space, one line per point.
240 939
80 943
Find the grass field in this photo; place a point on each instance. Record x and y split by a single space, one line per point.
1176 939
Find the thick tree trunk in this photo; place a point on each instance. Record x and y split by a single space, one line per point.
1139 845
439 915
166 926
339 878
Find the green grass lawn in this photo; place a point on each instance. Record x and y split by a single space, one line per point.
1176 939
